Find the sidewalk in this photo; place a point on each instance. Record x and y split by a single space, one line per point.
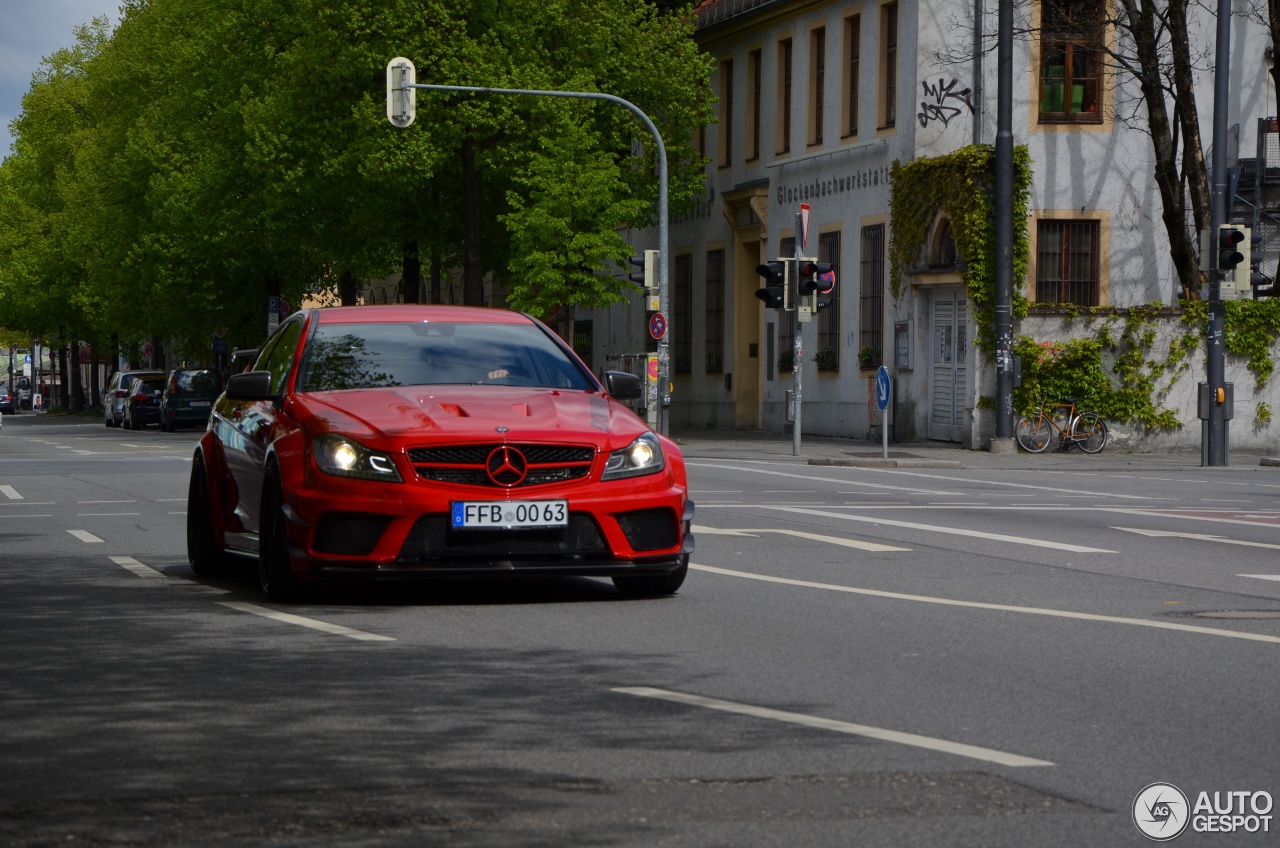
825 450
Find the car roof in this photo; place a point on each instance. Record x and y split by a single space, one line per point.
400 312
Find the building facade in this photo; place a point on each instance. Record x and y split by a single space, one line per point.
817 100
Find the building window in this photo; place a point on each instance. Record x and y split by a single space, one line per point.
786 326
682 313
942 251
1067 262
753 106
1070 61
817 83
584 339
715 312
828 352
852 74
783 110
889 65
871 297
726 113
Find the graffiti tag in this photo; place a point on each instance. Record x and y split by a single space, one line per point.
938 102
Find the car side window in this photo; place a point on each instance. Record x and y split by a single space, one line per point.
280 356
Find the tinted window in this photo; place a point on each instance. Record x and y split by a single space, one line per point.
201 382
150 384
360 356
278 355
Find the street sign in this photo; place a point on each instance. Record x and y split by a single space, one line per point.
882 388
657 325
804 225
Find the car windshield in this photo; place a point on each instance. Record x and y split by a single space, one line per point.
363 356
200 382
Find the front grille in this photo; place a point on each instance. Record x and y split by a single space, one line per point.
465 464
348 533
433 540
649 529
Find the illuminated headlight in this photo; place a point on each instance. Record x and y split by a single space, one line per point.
643 456
348 458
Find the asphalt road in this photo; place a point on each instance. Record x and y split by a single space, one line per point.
859 657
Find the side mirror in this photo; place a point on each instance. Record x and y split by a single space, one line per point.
251 385
623 386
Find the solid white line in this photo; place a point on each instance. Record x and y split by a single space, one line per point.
138 568
102 502
1055 489
925 599
954 531
84 535
1180 515
1261 576
815 478
289 618
834 540
103 514
1198 536
975 752
26 515
10 493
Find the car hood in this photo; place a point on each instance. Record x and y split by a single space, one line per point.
471 413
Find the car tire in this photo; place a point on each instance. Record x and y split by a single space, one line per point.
163 425
275 565
125 424
649 586
203 554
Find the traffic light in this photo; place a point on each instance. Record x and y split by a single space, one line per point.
774 290
817 277
1230 255
402 101
648 265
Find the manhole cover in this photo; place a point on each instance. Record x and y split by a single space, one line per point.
1238 614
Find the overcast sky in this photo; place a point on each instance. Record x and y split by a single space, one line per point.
31 30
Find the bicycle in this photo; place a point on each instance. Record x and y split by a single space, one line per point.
1085 429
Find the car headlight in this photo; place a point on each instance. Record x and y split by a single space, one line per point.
345 457
643 456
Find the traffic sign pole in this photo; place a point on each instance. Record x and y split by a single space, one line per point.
882 401
797 329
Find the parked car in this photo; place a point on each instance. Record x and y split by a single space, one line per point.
398 442
142 401
117 390
8 403
188 397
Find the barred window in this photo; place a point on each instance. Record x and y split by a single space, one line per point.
682 313
715 312
1067 262
828 351
871 297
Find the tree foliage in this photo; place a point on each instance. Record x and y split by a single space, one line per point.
169 175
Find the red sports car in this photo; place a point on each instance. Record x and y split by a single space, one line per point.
393 442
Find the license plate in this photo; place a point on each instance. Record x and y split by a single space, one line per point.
510 514
201 403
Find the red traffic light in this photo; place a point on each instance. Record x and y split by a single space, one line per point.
1229 237
817 277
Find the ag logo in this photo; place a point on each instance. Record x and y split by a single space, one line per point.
1161 811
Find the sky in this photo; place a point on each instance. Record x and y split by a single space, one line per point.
29 31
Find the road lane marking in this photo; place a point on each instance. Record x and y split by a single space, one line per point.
817 537
314 624
10 493
1174 513
84 536
989 755
1198 536
814 478
953 531
138 568
1052 613
103 514
83 503
1261 576
1057 490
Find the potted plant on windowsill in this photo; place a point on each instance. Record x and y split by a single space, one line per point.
868 357
826 359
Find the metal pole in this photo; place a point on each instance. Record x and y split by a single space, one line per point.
1003 441
976 100
664 344
797 328
1214 451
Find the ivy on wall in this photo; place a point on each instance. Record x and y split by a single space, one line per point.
962 185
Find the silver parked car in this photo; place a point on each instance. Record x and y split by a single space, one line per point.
117 390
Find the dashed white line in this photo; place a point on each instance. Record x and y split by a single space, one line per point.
83 503
84 536
138 568
926 599
314 624
1261 576
10 493
833 540
915 740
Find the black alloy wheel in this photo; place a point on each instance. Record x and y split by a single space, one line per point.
650 585
275 565
205 557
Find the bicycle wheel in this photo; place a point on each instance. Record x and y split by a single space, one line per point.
1034 436
1090 432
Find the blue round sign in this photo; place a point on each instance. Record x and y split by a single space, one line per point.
882 387
658 325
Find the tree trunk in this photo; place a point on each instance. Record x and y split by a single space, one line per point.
411 274
1146 45
436 280
348 293
472 265
77 382
64 395
1193 166
95 386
